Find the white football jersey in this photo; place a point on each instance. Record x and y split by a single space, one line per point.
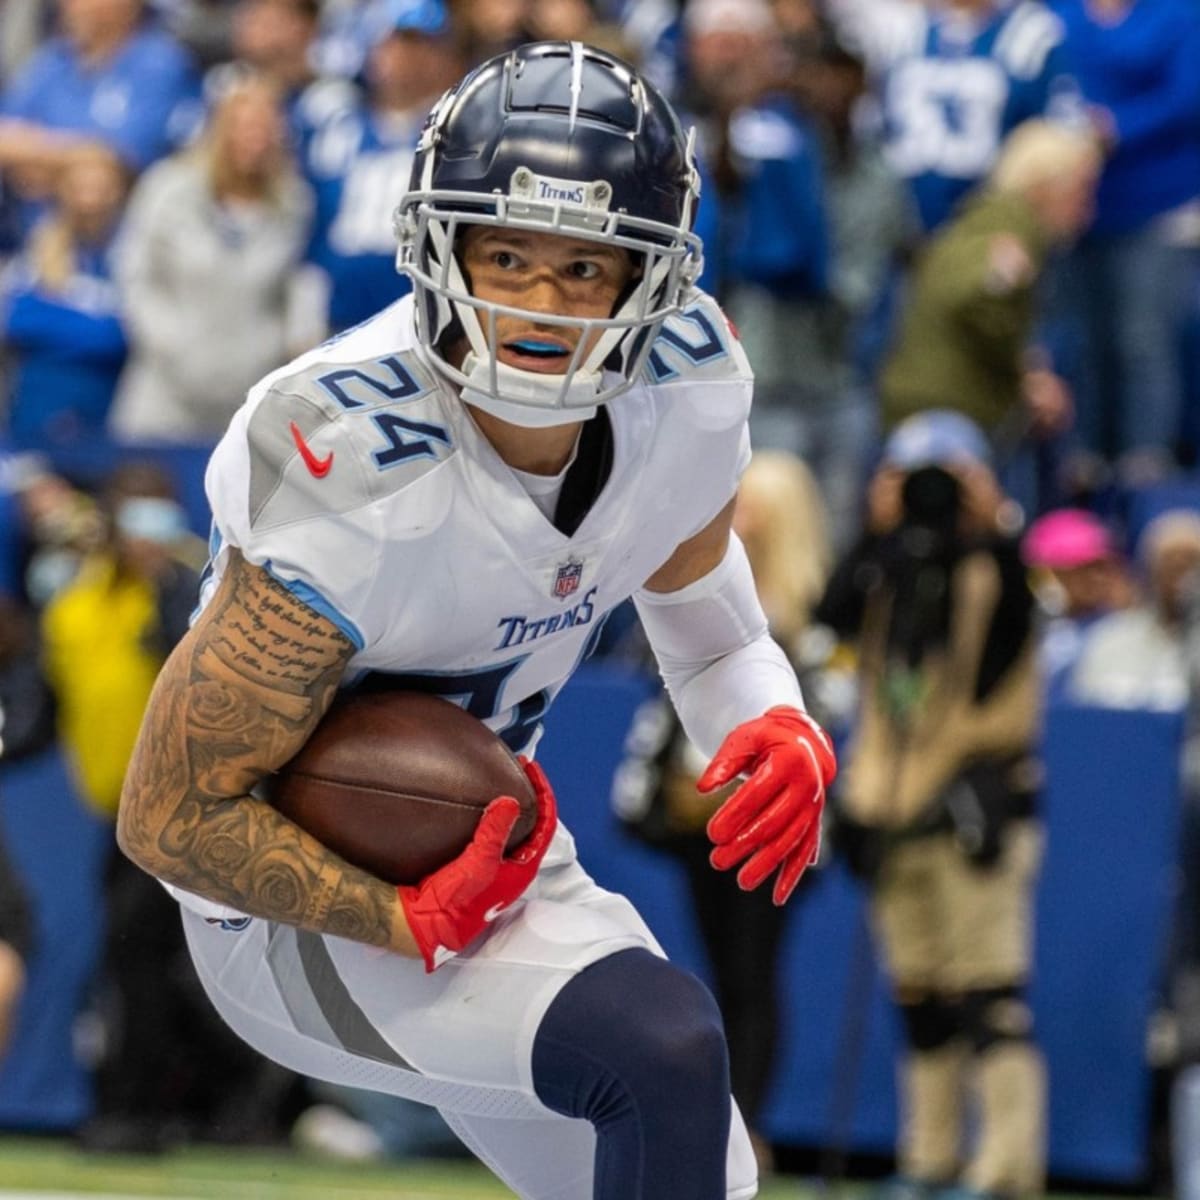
357 476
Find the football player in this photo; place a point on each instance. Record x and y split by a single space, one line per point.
455 494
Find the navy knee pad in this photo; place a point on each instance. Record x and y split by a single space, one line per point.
635 1045
994 1015
931 1021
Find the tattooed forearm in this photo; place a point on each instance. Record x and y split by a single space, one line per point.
236 700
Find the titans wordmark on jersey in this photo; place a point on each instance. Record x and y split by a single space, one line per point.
359 479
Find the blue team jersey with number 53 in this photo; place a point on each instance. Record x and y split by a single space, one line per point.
954 84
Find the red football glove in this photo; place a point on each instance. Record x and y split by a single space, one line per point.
774 818
449 909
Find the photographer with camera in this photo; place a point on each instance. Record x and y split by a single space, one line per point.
937 800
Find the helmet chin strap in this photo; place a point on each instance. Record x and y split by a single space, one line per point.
530 399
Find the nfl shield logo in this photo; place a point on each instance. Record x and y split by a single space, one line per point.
566 579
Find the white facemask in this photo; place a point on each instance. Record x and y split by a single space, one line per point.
529 398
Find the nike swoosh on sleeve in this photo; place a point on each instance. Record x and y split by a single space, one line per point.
318 467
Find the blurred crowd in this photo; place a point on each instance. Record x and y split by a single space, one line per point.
960 241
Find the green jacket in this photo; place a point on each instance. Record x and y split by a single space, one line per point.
965 324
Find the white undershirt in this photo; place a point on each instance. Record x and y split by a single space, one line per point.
544 490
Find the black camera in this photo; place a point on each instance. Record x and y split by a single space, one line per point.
930 499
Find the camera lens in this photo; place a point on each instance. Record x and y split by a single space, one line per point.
930 497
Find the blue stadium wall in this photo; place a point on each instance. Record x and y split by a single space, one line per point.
1104 911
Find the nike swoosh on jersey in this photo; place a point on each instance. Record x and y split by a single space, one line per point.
493 912
319 467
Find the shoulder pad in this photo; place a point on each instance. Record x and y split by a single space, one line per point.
334 437
698 345
1029 34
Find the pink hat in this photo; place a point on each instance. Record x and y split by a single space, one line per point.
1068 537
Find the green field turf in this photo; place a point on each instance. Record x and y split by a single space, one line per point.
49 1169
56 1168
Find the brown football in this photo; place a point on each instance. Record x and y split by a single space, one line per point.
395 782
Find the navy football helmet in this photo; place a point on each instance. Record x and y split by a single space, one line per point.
552 137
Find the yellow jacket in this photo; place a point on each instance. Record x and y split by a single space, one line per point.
97 636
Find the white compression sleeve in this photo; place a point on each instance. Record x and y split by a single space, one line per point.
720 664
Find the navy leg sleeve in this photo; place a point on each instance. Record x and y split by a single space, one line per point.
635 1045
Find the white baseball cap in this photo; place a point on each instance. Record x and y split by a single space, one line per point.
936 437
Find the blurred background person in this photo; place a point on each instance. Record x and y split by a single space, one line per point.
488 27
771 250
575 21
359 162
59 310
1079 574
780 517
60 526
1136 657
873 228
108 631
166 1071
27 715
280 41
963 341
208 269
26 727
936 808
106 634
1129 283
203 27
954 78
109 76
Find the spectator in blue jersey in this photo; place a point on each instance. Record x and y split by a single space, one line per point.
360 161
771 252
59 310
208 264
1130 281
109 76
956 76
277 39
